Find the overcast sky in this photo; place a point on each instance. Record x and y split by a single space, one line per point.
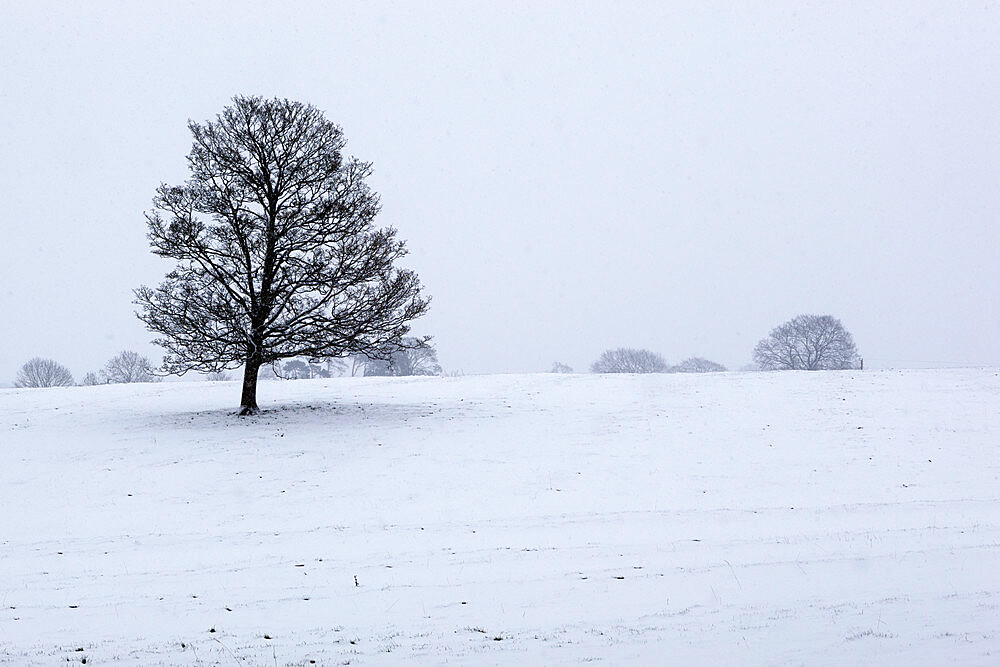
569 177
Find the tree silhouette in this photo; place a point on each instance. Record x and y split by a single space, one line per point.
276 249
807 343
38 372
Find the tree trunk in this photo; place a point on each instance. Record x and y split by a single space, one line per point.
248 403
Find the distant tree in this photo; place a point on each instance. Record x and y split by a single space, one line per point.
417 357
40 372
269 372
559 367
317 371
129 366
807 342
277 253
93 378
297 369
629 360
218 376
697 365
357 364
335 367
374 367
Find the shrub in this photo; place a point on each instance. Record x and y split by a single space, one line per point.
629 360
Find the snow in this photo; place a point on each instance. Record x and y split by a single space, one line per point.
734 518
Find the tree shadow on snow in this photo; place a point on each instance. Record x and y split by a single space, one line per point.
330 413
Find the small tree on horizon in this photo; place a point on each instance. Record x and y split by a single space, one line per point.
697 365
91 379
418 358
127 367
39 373
276 249
807 343
629 360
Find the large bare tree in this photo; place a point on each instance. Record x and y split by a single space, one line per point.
807 343
276 248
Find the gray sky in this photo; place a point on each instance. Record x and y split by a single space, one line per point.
569 177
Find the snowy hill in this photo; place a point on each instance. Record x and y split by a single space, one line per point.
781 518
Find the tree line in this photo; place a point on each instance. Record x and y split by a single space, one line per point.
123 368
806 342
420 358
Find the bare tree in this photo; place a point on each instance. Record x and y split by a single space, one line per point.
336 367
417 357
357 364
807 342
218 376
277 253
629 360
559 367
128 366
92 378
40 372
697 365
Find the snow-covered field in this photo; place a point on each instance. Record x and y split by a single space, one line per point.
757 518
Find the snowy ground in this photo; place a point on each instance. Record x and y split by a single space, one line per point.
782 518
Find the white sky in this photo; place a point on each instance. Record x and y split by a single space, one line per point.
569 177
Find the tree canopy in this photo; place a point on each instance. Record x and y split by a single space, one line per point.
629 360
418 357
277 254
129 366
697 365
808 343
38 372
